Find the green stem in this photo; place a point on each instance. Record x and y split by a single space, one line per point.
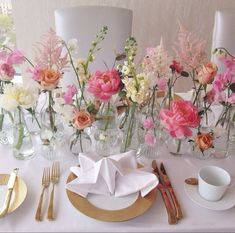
50 109
20 130
178 145
107 117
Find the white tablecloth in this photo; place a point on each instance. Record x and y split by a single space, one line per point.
69 219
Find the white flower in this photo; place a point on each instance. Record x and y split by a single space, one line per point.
137 88
82 73
23 95
72 44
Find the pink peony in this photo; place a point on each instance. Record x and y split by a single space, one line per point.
104 84
15 57
182 116
7 72
150 139
162 84
148 123
69 94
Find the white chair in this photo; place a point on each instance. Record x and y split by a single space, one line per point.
223 33
83 22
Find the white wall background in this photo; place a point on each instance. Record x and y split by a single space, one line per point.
151 20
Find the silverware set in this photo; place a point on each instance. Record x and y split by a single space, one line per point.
49 176
170 200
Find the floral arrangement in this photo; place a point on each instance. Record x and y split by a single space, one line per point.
142 92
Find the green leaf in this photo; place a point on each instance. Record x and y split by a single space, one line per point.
122 94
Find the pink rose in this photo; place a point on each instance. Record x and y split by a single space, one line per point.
162 84
148 123
150 139
104 84
69 94
231 98
207 73
181 116
7 72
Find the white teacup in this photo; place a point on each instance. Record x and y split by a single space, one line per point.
213 182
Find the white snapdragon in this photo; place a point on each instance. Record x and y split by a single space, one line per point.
137 88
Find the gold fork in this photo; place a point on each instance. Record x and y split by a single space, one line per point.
55 176
45 184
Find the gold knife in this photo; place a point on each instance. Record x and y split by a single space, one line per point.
10 186
167 183
169 208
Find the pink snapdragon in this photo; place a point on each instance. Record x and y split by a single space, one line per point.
150 139
181 116
104 84
148 123
69 94
35 72
162 84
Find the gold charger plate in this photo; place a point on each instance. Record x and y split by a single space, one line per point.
141 205
19 191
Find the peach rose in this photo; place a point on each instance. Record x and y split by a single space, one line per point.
204 141
49 78
207 73
82 119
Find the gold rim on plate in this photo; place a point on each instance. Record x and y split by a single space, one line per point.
19 191
140 206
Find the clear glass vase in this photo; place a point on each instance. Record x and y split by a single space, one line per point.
6 127
106 135
22 143
222 133
79 141
130 137
52 130
177 146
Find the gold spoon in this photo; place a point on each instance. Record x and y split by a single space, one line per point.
191 181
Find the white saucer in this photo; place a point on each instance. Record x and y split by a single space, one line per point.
227 202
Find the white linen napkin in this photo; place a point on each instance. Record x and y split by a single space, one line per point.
114 175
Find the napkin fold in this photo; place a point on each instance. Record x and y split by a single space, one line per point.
114 175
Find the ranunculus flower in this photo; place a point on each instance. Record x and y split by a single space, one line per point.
181 116
207 73
82 119
69 94
204 141
104 84
148 123
150 139
7 72
49 78
176 66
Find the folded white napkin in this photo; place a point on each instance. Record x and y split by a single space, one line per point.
114 175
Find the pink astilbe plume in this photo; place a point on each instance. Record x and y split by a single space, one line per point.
50 52
189 49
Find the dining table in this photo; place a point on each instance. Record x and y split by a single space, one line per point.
69 219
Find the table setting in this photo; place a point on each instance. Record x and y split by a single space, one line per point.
119 150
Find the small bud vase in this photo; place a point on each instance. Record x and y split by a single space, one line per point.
22 143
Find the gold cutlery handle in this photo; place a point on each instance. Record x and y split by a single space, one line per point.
39 209
6 203
179 213
50 214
